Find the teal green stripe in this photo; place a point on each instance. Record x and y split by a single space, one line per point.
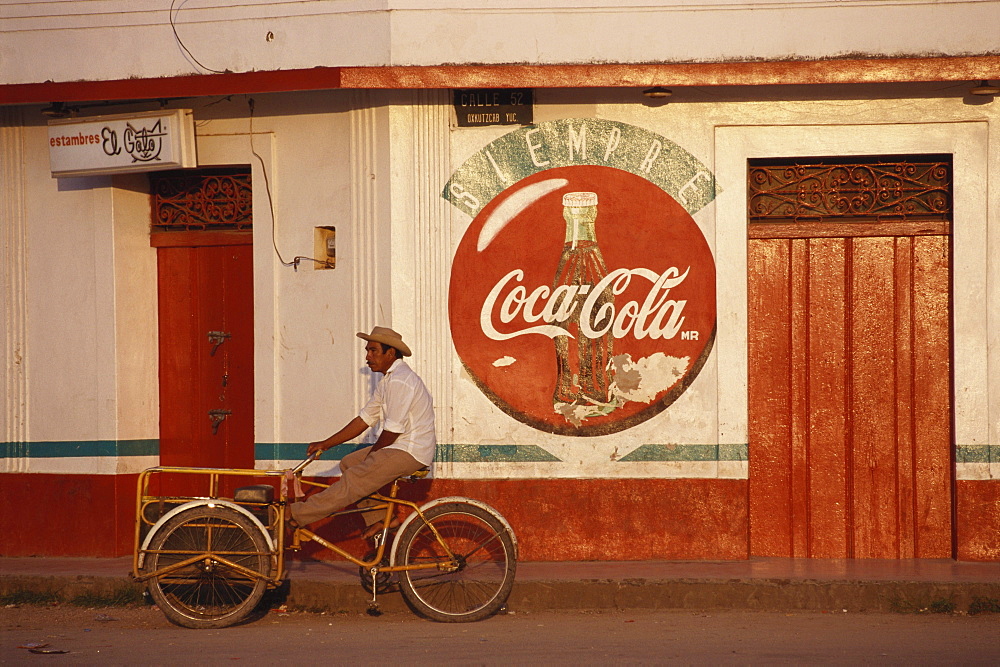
647 453
79 448
296 451
493 454
463 453
265 451
734 452
977 454
445 453
138 448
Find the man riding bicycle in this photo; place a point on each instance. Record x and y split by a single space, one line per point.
407 443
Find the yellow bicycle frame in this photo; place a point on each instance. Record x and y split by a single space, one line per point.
275 525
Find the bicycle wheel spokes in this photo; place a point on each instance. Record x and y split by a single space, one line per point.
226 576
473 584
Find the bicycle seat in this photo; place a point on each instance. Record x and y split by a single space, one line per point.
259 494
417 474
255 499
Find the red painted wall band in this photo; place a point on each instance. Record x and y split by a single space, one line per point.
627 519
554 519
834 71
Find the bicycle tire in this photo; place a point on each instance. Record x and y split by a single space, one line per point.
208 594
487 563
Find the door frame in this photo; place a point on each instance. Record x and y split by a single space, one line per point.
225 149
968 143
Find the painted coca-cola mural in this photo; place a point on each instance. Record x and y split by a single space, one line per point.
582 294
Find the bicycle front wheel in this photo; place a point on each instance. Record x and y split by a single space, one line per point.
225 576
469 587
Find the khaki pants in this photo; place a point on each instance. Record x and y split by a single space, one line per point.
361 475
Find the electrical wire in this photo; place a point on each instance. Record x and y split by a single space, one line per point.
270 202
173 26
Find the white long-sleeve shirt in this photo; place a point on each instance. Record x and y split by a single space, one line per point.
404 406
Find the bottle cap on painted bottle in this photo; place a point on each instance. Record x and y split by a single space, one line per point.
579 199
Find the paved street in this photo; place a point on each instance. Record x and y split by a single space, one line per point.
143 636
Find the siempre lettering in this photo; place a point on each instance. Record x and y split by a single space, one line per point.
657 316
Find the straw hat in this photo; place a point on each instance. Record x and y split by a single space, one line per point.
388 337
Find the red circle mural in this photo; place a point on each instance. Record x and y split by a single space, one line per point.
582 300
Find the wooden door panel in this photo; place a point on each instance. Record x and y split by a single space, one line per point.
932 388
906 351
826 401
849 397
239 355
770 373
203 290
872 388
180 358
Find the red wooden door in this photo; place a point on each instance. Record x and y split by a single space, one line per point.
850 394
206 353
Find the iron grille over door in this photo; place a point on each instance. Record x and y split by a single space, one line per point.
880 189
217 199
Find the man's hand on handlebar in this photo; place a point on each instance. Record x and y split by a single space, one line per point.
315 449
354 428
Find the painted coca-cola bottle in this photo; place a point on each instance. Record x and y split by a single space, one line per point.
584 375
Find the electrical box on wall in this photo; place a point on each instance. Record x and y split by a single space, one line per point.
325 247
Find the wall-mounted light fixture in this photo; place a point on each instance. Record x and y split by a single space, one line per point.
657 93
63 110
984 88
59 110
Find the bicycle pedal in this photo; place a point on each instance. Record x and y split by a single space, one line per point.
297 540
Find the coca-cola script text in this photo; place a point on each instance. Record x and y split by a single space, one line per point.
657 316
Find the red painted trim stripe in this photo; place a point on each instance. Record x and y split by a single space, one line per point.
842 71
319 78
677 74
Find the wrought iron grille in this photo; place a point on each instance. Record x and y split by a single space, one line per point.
216 199
880 189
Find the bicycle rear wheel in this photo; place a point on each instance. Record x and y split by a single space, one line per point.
473 586
225 580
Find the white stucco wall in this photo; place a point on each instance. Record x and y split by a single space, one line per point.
118 39
304 319
86 303
373 165
724 136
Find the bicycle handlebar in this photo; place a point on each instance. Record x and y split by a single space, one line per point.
302 466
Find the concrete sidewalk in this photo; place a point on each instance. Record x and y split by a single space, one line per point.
772 584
